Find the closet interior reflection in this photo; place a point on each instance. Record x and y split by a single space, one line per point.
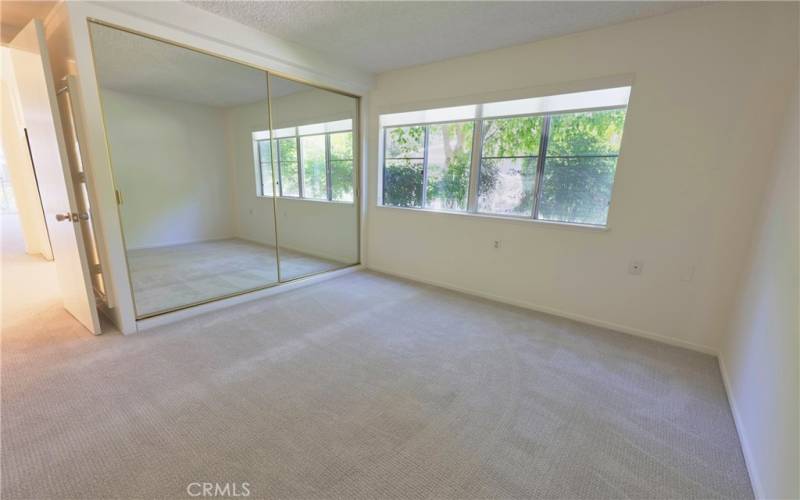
229 179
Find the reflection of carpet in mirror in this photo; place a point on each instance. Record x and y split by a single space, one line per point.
172 276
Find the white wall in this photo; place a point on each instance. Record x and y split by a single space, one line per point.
709 87
760 355
20 169
254 215
327 230
170 163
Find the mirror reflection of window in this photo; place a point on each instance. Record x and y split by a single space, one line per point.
313 134
326 161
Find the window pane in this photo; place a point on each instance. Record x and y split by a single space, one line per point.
404 142
402 183
342 180
505 186
512 136
342 146
288 149
590 133
289 179
315 177
449 153
265 167
577 189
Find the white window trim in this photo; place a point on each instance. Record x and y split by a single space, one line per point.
520 219
547 106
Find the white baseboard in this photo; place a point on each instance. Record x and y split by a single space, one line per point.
190 312
749 460
555 312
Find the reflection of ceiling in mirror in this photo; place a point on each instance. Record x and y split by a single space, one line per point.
131 63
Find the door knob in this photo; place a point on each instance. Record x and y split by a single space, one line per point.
64 217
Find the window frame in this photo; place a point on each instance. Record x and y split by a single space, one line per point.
330 160
477 157
275 160
425 160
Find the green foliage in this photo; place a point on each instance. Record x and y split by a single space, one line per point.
577 178
450 151
580 166
503 138
315 176
405 142
402 178
402 183
592 133
512 136
342 146
342 166
577 189
288 149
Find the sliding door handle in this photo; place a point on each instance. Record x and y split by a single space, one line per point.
72 217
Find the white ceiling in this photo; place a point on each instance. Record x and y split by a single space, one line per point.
381 36
140 65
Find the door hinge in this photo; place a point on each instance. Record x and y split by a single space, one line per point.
119 196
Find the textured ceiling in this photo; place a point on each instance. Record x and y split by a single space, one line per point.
381 36
140 65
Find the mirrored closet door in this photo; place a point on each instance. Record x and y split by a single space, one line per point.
315 177
216 197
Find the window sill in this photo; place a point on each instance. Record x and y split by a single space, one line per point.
312 200
506 218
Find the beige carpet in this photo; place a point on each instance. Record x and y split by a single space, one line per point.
173 276
362 387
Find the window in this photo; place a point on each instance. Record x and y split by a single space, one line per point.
428 166
550 158
264 162
313 162
315 176
578 172
508 165
404 157
340 147
447 168
288 167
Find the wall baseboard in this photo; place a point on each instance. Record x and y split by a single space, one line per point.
548 310
744 443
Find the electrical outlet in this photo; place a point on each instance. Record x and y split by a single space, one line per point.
635 267
497 244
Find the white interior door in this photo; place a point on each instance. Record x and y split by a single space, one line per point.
42 120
